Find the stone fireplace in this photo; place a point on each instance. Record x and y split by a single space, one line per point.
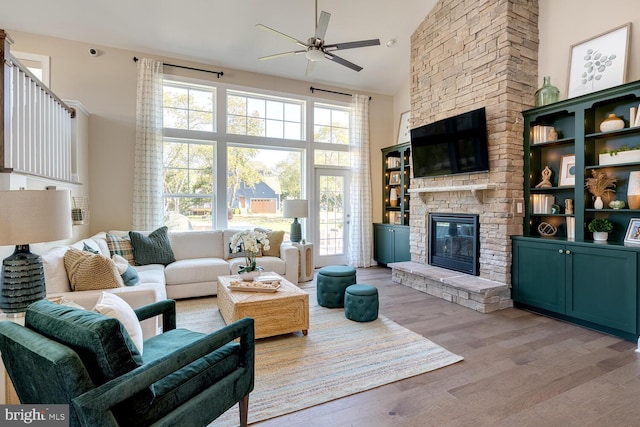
464 56
453 242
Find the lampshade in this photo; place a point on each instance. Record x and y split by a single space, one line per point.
34 216
296 208
29 216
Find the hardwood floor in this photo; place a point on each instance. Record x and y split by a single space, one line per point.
520 369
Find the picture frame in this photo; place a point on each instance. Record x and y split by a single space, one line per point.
587 72
394 178
404 130
633 232
395 218
567 175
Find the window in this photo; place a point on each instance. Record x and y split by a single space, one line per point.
188 184
331 124
264 116
37 64
188 106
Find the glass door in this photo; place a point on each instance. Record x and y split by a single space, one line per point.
332 213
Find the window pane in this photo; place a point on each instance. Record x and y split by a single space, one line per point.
321 116
237 105
340 136
340 118
188 106
275 129
201 101
236 125
255 126
331 158
331 125
255 107
322 133
173 118
292 113
175 97
275 110
292 130
199 120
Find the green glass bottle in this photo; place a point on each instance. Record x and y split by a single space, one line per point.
547 94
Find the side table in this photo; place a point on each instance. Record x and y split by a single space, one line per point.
305 270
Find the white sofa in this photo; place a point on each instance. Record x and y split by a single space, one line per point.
201 256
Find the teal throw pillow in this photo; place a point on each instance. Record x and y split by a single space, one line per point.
88 248
152 249
130 276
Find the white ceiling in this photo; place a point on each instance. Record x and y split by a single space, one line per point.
223 33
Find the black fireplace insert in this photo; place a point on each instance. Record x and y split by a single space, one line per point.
454 243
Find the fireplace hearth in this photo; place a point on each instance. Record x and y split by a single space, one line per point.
454 243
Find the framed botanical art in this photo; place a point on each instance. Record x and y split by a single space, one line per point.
567 175
404 132
599 62
633 232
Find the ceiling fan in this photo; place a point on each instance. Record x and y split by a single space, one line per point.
315 48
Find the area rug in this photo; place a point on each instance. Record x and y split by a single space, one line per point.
337 358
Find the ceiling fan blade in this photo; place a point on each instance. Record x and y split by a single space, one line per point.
342 61
279 55
323 23
296 41
311 65
352 45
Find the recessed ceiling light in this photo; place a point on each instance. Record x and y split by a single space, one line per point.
390 43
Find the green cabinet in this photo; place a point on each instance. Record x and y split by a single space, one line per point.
391 243
593 285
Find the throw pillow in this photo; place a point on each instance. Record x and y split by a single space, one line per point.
129 274
275 240
121 246
88 248
113 306
87 271
152 249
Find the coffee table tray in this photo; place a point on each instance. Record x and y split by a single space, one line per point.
255 286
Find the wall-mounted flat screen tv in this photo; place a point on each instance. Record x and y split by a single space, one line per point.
451 146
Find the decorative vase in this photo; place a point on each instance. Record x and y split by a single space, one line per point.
612 122
598 203
393 197
600 236
547 94
633 190
250 276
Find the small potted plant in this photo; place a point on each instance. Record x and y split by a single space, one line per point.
600 227
600 184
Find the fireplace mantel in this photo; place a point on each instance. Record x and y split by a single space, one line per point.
476 189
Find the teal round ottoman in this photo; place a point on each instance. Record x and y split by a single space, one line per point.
361 303
331 282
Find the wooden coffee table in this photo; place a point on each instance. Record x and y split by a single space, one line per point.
276 313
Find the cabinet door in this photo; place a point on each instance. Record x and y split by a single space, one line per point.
401 244
601 286
539 275
382 244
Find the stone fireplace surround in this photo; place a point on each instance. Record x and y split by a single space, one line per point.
467 55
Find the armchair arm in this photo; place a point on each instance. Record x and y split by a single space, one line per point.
166 307
93 407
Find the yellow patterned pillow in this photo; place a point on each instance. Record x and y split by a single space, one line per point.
87 271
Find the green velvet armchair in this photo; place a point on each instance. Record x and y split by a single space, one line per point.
65 355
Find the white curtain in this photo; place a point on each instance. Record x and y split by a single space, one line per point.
147 180
361 228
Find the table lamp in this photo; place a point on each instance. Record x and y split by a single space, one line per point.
29 216
295 209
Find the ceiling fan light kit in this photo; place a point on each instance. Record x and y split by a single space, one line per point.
315 49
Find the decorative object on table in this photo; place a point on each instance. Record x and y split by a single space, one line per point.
547 94
600 227
633 232
29 216
295 208
598 185
393 162
617 204
250 243
622 154
546 178
80 210
555 209
571 227
567 171
404 129
543 203
547 230
542 133
568 206
393 197
599 62
633 190
394 178
633 111
611 123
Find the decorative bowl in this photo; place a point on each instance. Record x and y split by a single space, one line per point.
616 204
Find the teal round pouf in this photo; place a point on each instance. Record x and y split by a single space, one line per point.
361 303
331 283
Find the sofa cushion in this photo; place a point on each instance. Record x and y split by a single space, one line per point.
88 271
55 273
196 270
152 249
197 244
276 237
113 306
129 274
120 245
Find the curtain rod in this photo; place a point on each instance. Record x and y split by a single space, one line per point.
331 91
218 73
